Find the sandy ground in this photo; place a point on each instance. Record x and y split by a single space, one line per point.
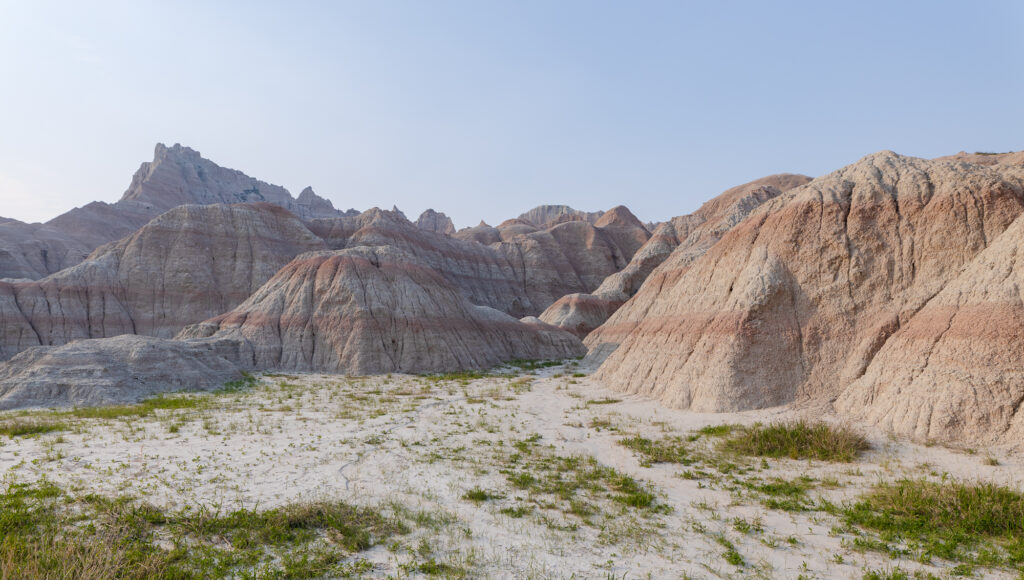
422 444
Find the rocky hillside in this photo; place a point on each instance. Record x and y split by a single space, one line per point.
177 176
581 313
189 264
375 310
795 301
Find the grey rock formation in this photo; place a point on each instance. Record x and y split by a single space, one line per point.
177 176
108 371
434 221
185 266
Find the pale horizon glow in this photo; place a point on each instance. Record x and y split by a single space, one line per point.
484 109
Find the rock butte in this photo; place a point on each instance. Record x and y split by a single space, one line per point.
795 301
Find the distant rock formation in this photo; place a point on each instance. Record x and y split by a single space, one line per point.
187 265
581 313
434 221
177 176
110 371
795 302
544 216
374 310
520 273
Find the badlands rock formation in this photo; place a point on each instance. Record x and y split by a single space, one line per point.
581 313
374 310
176 176
189 264
521 272
434 221
108 371
955 370
547 215
795 301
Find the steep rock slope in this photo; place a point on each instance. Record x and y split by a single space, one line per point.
795 301
185 266
955 370
435 221
374 310
108 371
176 176
582 313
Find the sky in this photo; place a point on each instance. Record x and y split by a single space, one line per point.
484 108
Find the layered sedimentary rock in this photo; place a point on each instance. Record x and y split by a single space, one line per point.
435 221
794 302
955 370
176 176
521 272
185 266
374 310
581 313
109 371
547 215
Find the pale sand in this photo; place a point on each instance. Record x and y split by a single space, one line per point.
423 444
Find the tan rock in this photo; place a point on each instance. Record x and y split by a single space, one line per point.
582 313
435 221
795 301
955 370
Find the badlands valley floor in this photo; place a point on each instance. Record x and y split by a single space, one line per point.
524 472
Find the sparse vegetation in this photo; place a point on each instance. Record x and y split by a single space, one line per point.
798 440
46 533
971 523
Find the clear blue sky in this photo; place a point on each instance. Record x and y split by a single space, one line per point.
483 109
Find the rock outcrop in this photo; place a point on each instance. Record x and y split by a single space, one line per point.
955 370
176 176
374 310
187 265
434 221
521 272
109 371
581 313
795 301
544 216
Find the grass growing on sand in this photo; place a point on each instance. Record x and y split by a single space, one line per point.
798 440
972 523
46 533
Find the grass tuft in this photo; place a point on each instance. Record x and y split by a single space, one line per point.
798 440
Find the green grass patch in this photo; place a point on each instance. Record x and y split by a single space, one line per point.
665 450
798 440
46 533
22 427
972 523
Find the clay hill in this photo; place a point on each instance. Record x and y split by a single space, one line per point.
176 176
375 310
581 313
185 266
795 303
